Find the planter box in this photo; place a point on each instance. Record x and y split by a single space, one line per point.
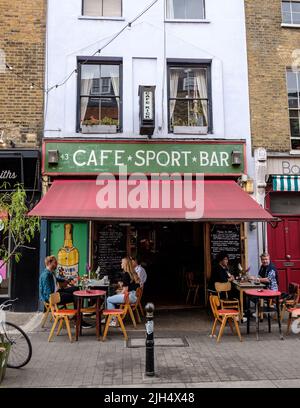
190 130
98 129
4 353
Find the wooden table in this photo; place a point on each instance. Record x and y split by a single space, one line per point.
96 295
242 287
263 294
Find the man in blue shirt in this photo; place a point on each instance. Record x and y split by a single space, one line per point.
268 273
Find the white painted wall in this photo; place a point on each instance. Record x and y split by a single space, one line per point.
220 38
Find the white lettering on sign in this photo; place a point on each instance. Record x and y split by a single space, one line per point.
287 168
148 105
147 158
7 174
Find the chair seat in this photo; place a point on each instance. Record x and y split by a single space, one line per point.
62 312
228 311
107 312
88 310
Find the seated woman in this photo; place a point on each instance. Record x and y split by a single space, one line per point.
130 282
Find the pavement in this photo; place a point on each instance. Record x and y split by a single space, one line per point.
185 357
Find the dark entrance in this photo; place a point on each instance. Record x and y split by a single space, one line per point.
170 252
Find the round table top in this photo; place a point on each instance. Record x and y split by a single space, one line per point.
89 293
262 292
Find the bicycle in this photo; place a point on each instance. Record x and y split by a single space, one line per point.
20 345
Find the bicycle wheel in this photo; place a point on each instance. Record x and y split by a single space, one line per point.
21 349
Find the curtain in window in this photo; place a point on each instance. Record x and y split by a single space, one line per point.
170 9
116 87
92 8
174 77
112 8
87 75
201 83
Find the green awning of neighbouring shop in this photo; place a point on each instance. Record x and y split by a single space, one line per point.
286 183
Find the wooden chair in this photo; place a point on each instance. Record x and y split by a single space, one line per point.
128 310
227 304
60 316
47 311
137 305
223 316
119 314
192 287
294 313
292 300
140 306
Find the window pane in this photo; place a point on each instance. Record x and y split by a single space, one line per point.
178 9
291 81
286 18
294 123
294 113
92 8
293 103
112 8
296 18
194 9
296 144
295 7
96 111
188 83
286 6
189 113
100 80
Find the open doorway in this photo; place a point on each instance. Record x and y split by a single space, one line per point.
172 254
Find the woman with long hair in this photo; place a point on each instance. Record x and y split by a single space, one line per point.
130 282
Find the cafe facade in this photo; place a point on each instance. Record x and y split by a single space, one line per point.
90 226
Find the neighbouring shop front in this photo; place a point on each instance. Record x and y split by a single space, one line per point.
283 201
86 233
20 280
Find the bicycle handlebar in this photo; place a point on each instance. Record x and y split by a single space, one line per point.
6 304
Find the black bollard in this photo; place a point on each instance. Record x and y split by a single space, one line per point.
149 340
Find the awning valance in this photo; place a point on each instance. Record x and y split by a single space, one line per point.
79 199
286 183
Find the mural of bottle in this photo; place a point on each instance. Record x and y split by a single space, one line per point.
68 255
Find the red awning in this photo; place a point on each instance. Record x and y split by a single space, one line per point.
80 199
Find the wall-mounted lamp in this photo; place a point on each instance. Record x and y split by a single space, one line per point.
249 186
236 158
53 157
252 226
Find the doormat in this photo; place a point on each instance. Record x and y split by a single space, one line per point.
159 342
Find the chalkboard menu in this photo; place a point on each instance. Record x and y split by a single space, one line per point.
225 238
111 248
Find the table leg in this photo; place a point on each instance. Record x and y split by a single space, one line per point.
278 317
242 303
98 318
257 317
248 313
78 319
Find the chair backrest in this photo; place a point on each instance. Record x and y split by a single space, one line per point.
54 299
294 290
138 293
214 304
223 287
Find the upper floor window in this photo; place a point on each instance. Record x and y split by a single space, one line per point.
293 86
189 98
102 8
100 97
185 9
290 12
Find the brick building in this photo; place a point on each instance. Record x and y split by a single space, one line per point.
22 55
273 41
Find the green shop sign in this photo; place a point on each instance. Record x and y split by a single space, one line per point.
69 157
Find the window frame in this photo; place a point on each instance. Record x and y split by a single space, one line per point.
185 19
99 61
291 13
289 69
184 63
102 16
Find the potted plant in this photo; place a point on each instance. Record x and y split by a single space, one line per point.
105 125
191 126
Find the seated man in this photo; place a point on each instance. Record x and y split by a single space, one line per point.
49 283
268 273
136 263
